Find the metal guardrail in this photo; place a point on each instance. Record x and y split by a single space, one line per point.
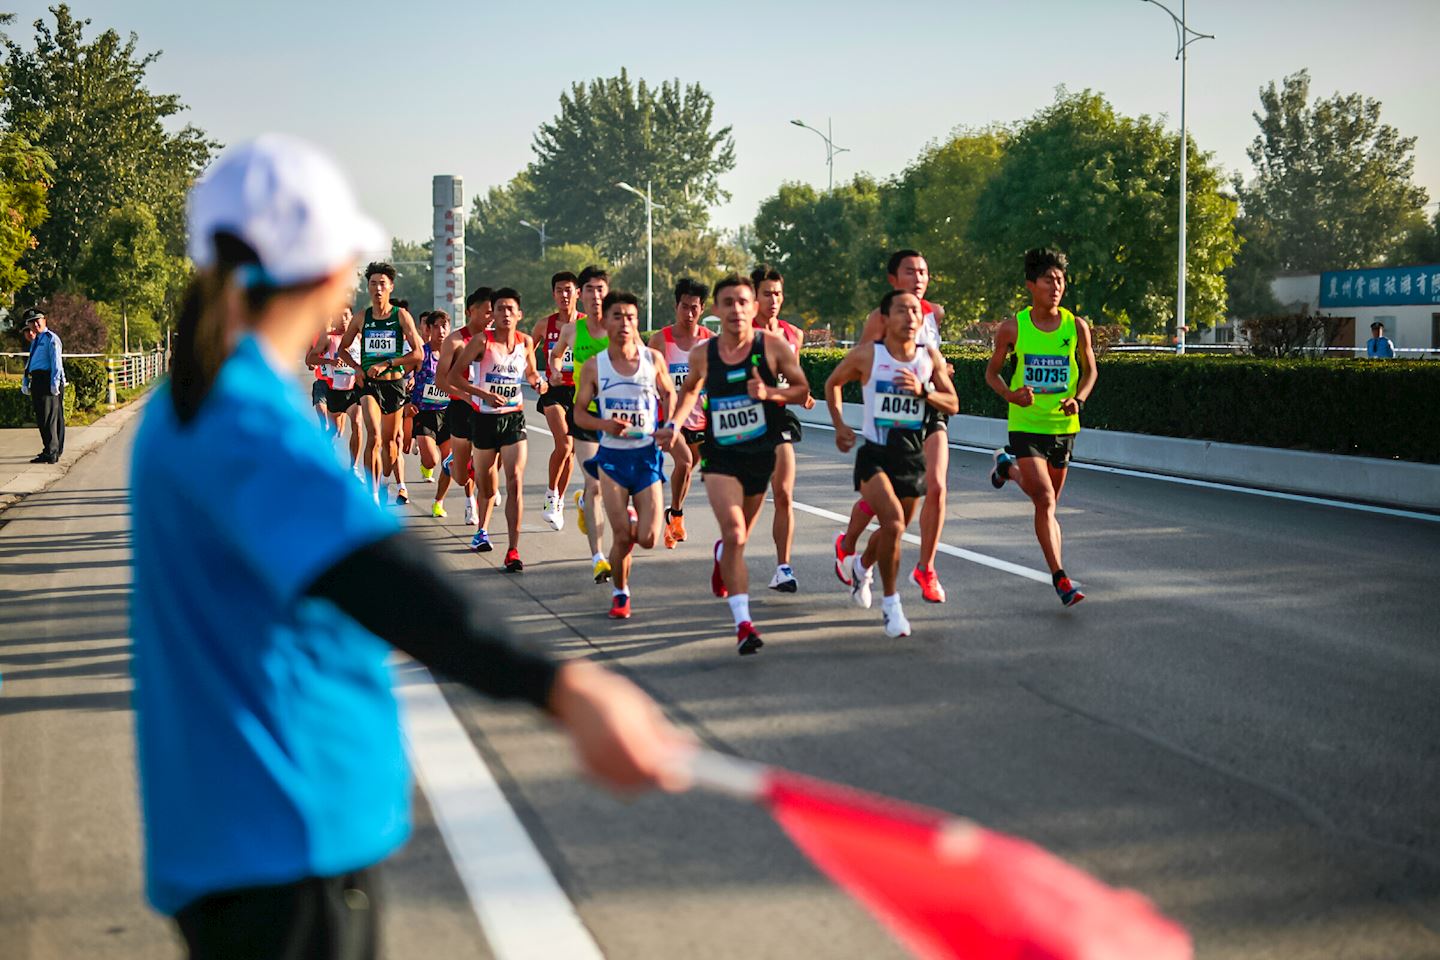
122 372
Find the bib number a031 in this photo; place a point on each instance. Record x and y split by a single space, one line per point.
384 343
1047 374
896 408
736 419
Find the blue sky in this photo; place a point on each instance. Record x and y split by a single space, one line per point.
469 82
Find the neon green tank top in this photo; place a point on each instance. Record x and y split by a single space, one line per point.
1045 362
584 348
382 340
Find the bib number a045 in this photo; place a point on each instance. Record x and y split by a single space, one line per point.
1047 374
736 419
897 408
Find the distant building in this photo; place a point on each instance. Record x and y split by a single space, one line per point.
1405 299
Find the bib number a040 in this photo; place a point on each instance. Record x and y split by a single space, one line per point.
385 343
736 419
1047 374
897 408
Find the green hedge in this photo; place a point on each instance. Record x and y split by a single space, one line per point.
1358 407
85 390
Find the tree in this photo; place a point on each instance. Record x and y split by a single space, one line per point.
1421 243
1332 182
830 246
126 264
611 131
1104 188
86 105
931 208
679 253
494 236
531 276
77 321
415 276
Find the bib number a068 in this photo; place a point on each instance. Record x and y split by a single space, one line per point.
506 388
1047 374
897 408
736 419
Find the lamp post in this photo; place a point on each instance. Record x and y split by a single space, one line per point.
650 206
830 148
540 230
1184 36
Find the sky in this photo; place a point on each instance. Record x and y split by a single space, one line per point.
400 92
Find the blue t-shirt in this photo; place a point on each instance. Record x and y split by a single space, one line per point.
268 736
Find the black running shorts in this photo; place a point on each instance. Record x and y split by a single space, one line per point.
491 431
1054 448
904 467
557 395
391 395
753 468
430 423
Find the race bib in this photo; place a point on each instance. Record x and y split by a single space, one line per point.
736 419
629 411
505 387
1045 374
895 408
341 378
433 394
567 361
384 343
680 371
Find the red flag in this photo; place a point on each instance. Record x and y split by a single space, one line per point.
948 888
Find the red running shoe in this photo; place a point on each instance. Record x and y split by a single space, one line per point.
717 582
1069 594
747 639
928 583
842 561
512 561
620 606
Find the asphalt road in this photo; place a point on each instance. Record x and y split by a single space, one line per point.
1241 721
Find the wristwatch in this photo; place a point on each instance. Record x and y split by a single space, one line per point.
927 388
1079 404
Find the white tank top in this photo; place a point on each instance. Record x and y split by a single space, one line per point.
678 362
634 399
886 406
929 333
501 373
341 378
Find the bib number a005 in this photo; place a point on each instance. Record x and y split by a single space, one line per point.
736 419
1047 374
896 408
385 343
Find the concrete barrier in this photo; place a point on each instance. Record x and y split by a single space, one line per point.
1391 483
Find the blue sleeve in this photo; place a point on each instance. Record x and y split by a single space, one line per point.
281 498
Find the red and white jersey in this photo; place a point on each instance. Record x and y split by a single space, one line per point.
567 359
677 361
500 370
465 336
929 333
795 337
340 378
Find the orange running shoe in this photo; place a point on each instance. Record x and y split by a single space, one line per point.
620 606
928 583
674 528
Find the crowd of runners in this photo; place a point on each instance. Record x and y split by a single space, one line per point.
718 402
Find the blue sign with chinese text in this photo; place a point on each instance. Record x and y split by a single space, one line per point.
1380 287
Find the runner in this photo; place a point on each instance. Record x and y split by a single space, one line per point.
908 271
385 332
583 339
454 377
738 372
554 404
341 402
407 415
675 343
503 358
901 381
770 294
1054 376
632 386
428 402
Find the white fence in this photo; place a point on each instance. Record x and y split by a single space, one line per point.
123 372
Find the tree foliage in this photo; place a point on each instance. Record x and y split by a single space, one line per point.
1333 184
125 263
611 130
679 253
1104 188
78 322
85 103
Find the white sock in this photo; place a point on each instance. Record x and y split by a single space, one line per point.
597 558
861 571
740 607
552 493
620 591
891 603
719 549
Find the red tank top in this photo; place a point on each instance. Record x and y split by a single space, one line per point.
567 359
465 336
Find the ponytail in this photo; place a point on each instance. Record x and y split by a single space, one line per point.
201 337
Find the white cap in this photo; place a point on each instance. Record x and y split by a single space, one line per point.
289 202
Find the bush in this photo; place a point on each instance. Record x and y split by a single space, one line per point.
87 380
78 323
16 409
1331 406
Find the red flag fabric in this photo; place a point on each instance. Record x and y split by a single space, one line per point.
948 888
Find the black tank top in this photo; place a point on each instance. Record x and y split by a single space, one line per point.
734 422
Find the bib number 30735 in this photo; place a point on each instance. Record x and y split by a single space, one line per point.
1046 374
736 419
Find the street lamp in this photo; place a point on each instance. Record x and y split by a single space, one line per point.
540 230
830 148
1184 36
650 206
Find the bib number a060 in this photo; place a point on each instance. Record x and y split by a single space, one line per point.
736 419
1047 374
432 394
897 408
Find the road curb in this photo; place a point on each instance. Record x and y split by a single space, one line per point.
38 476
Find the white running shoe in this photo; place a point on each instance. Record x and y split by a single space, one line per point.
860 583
784 579
470 518
552 514
895 624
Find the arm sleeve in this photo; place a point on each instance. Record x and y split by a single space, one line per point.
465 638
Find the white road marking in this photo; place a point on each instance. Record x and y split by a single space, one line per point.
1213 485
523 911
